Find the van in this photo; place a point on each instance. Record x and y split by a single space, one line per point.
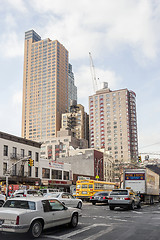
48 190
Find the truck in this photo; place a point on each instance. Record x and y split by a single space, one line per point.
144 182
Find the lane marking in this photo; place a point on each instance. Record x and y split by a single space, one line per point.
101 233
68 235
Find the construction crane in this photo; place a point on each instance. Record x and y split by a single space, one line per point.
95 85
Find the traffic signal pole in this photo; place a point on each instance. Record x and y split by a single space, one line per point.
8 172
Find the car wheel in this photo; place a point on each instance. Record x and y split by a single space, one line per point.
139 205
93 203
1 203
111 207
79 205
74 221
132 206
35 229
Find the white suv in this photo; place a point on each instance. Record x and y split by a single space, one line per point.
124 198
26 193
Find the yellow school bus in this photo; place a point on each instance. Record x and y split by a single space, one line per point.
87 188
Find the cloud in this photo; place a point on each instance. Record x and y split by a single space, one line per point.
103 24
11 45
18 5
17 98
10 21
86 86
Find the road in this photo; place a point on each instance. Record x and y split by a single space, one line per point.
98 222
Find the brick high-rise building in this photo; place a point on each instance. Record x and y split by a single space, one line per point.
45 86
113 124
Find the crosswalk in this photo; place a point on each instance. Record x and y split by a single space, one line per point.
105 229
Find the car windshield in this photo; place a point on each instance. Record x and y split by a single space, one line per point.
119 192
20 204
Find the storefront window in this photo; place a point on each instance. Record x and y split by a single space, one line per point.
45 173
66 175
56 174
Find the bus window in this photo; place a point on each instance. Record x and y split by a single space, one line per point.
90 185
84 185
78 186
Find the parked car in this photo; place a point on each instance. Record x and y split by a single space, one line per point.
124 198
45 191
66 198
2 199
32 215
26 193
99 197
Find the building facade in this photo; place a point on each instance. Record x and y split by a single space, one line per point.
72 89
13 159
113 124
86 163
59 146
57 175
77 120
14 154
45 86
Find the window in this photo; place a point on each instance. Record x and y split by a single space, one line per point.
45 173
66 175
30 153
29 171
56 174
37 156
52 205
14 151
22 152
20 204
4 168
5 150
36 171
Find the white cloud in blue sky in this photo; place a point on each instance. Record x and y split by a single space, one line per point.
123 37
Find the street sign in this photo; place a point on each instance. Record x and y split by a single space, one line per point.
97 177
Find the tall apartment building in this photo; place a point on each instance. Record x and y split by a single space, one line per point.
45 86
113 123
72 89
77 120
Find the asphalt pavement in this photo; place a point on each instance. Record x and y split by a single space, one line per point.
98 222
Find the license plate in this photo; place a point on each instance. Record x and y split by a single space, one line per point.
84 192
119 198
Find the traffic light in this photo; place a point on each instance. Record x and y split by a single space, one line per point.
30 162
139 159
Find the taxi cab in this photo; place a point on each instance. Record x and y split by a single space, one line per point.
124 198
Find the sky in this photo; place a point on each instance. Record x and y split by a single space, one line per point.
124 40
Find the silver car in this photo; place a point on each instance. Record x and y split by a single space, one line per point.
33 214
66 198
124 198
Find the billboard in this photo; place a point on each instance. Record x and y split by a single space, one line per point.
134 176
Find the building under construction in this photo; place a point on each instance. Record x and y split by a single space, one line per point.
77 120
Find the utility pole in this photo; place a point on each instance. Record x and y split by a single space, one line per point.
8 172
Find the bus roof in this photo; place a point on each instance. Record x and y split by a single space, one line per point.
94 181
